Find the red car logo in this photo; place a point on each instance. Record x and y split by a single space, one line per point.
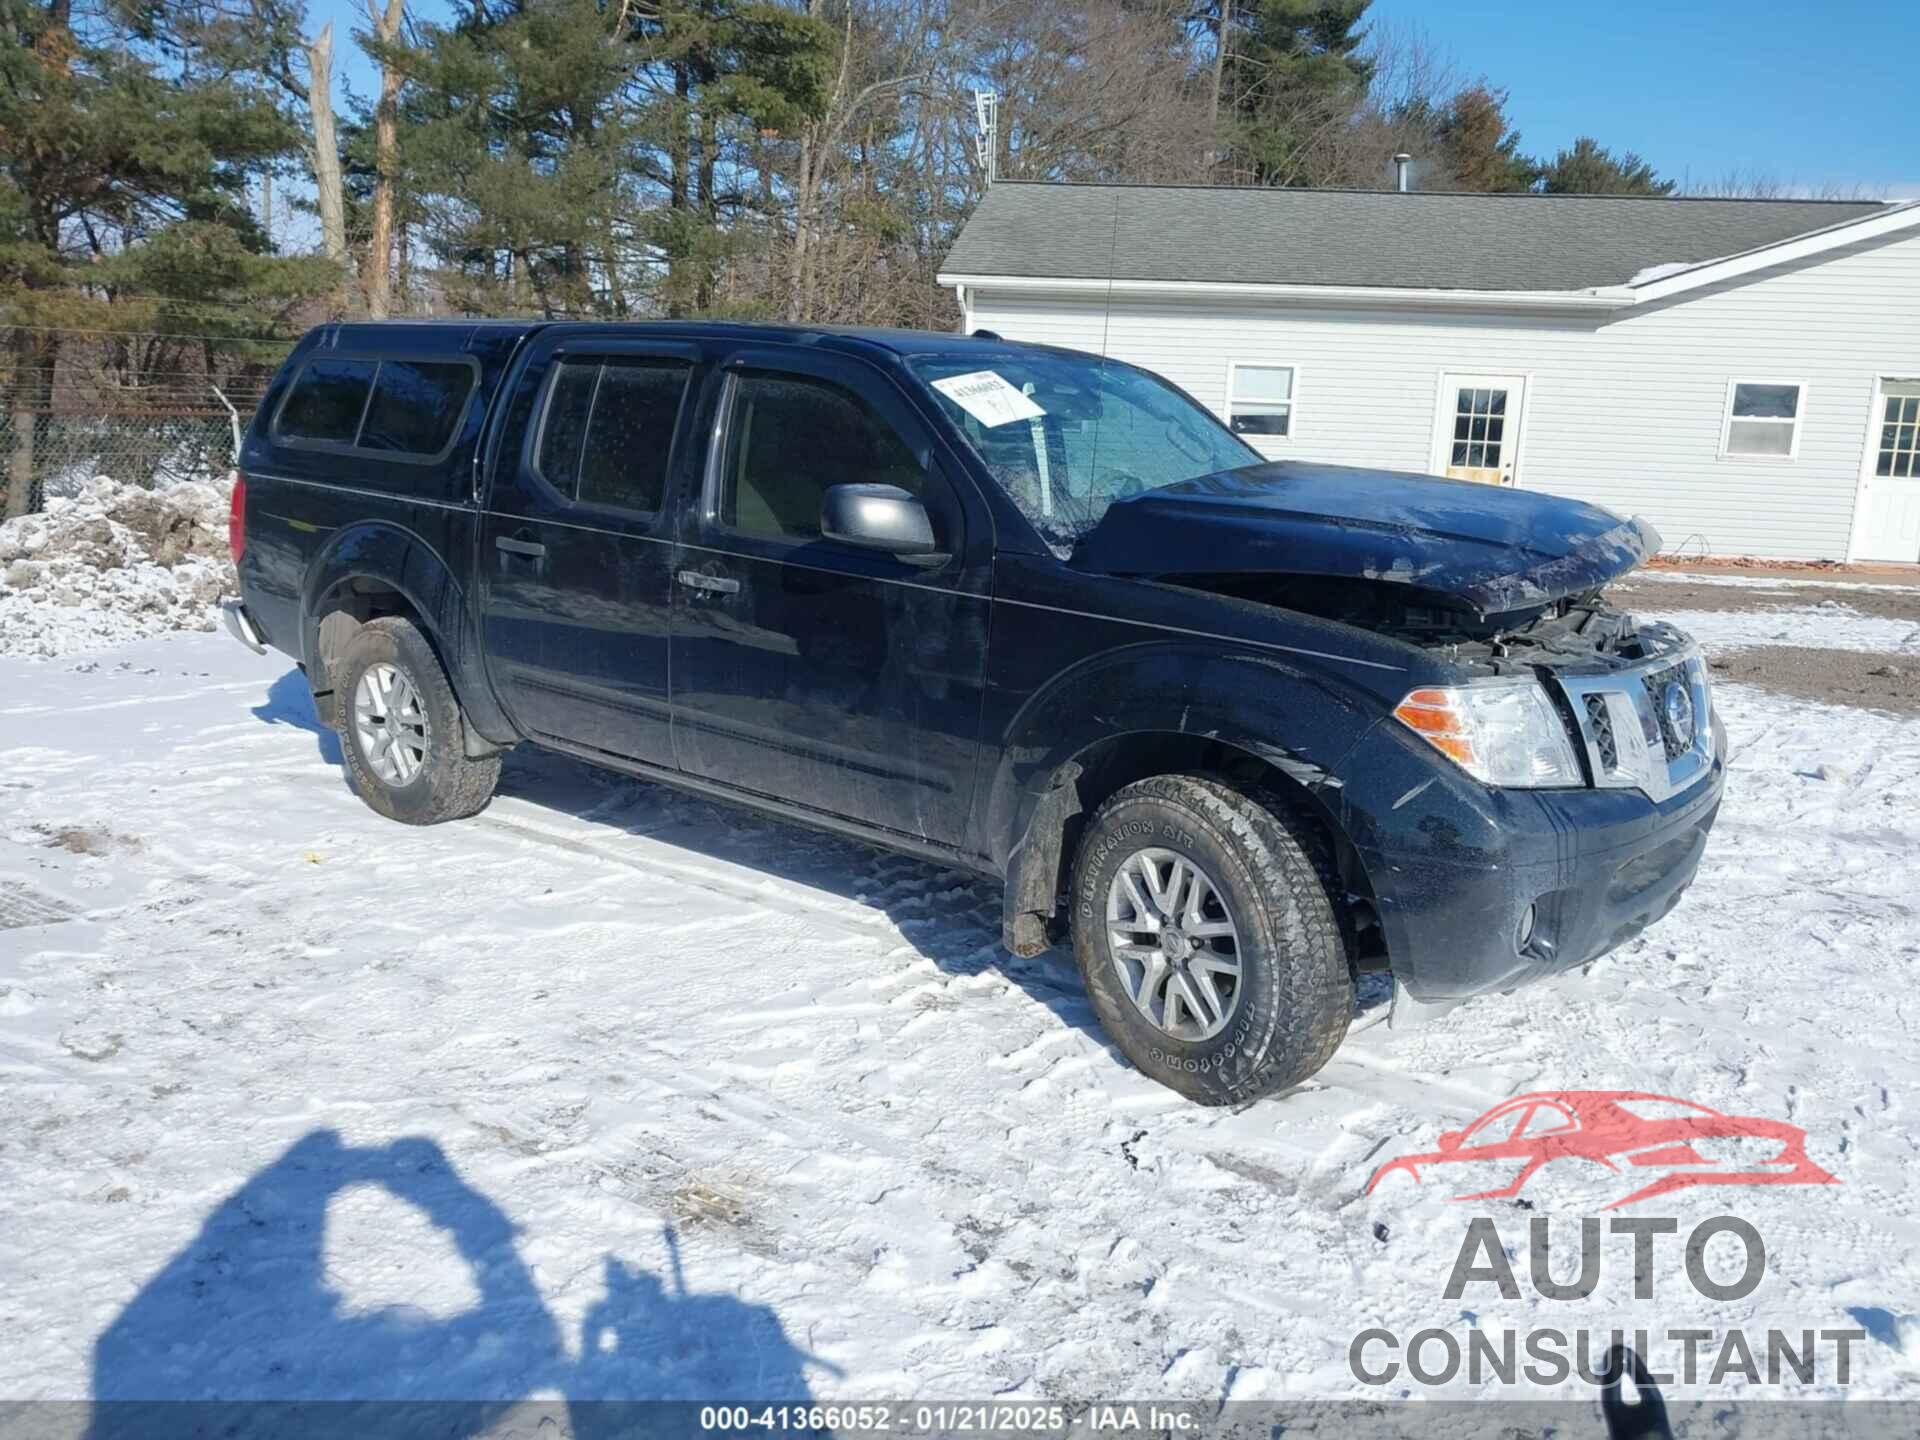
1623 1131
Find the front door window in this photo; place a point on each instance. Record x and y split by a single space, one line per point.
1479 428
1900 432
792 438
1887 521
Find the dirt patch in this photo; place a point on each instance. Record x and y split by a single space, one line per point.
1663 597
700 1201
80 840
1868 679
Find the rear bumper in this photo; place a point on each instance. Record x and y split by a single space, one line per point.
242 626
1456 868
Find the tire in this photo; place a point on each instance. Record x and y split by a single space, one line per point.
434 779
1291 995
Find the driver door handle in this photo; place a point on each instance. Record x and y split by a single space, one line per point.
532 548
712 584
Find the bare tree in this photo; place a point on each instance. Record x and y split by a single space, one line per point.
1220 48
378 269
313 89
821 153
323 148
1759 185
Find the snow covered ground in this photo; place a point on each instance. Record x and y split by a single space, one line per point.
613 1092
1831 626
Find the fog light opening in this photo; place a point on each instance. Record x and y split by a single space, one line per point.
1525 936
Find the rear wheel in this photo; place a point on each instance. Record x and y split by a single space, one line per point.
1208 939
402 730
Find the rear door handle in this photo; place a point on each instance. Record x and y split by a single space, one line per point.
531 548
713 584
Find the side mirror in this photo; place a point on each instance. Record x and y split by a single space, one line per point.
1450 1141
877 517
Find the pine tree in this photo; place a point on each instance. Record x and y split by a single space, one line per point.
1288 74
1589 168
1477 149
572 158
126 143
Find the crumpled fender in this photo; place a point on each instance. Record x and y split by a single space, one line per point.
393 556
1243 697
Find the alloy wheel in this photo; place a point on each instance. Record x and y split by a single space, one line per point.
1175 947
391 722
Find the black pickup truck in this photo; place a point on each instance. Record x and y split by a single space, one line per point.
1241 729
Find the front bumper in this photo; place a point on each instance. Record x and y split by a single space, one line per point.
1455 866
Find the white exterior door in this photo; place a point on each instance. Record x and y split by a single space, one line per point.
1889 524
1476 432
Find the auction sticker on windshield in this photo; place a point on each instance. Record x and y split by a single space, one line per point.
989 398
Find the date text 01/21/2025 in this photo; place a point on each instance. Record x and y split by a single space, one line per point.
985 1418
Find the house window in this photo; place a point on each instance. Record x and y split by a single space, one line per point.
1260 399
1763 420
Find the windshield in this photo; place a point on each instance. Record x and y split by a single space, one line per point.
1067 435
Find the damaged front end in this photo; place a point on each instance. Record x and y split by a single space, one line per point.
1634 695
1503 590
1427 560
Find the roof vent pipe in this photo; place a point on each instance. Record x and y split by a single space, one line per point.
1402 167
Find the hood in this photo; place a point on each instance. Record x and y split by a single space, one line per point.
1449 542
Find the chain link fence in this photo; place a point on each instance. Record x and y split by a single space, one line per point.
148 450
144 409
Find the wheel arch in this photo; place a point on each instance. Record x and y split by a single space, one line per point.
1164 710
377 569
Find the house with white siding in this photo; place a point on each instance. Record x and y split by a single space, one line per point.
1744 373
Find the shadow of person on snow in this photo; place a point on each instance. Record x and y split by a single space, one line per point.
245 1325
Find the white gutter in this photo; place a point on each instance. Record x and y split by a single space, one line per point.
1611 298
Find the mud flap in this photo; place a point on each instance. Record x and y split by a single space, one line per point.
1033 871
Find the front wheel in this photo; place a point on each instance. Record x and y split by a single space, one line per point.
1207 939
402 730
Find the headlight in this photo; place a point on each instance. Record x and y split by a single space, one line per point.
1505 732
1702 681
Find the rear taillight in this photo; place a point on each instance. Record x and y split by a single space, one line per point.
237 518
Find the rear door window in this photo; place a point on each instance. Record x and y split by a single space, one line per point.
607 434
563 427
416 405
630 434
327 401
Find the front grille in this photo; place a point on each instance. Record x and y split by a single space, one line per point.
1600 727
1657 684
1625 735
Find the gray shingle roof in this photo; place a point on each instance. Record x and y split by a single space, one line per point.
1421 240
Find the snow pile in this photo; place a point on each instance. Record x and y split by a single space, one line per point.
110 564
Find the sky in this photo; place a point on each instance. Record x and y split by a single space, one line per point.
1807 93
1817 93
